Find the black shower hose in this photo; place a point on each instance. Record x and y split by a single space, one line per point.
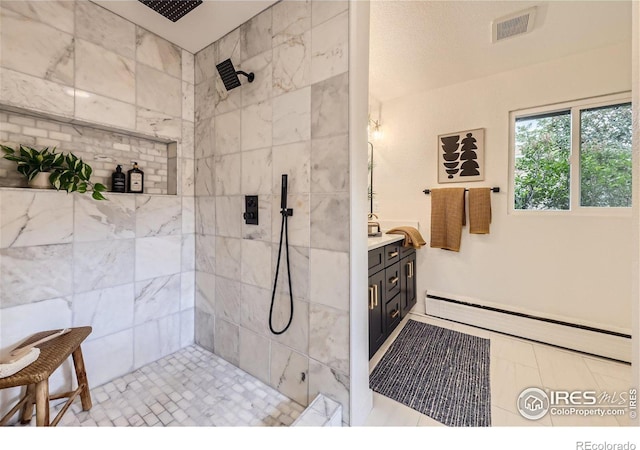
284 229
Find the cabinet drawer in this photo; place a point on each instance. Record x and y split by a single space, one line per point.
376 260
392 315
392 281
391 254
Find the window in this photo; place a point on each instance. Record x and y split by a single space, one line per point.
573 157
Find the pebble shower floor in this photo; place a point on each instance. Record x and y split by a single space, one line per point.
191 387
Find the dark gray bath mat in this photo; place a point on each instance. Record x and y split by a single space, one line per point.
442 373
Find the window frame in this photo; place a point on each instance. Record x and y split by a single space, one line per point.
575 107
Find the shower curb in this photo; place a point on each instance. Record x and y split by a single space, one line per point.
321 412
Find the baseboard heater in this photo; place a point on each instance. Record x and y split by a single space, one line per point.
590 340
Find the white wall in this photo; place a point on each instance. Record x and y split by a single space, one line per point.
572 268
361 396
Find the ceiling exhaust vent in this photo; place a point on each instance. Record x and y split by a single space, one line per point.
514 24
172 9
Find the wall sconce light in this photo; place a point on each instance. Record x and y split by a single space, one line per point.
375 133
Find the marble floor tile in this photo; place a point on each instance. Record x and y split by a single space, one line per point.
515 350
517 364
502 418
389 413
508 380
608 368
203 390
561 369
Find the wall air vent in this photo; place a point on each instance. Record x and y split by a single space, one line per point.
514 24
171 9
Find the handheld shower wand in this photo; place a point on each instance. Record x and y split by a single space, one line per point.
284 230
286 212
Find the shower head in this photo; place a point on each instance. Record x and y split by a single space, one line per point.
172 10
229 74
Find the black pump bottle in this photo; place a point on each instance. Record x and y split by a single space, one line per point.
117 180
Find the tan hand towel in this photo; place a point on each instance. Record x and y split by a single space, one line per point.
412 237
447 218
479 210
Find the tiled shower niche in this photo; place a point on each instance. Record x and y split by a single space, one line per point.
103 150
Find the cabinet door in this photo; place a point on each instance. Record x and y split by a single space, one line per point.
408 284
377 328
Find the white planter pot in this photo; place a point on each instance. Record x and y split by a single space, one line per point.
41 181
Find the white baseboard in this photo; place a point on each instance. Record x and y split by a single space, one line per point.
575 337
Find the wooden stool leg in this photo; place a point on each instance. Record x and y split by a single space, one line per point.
81 376
42 403
27 409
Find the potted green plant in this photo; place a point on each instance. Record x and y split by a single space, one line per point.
47 169
35 165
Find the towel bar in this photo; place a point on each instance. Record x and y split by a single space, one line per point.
493 189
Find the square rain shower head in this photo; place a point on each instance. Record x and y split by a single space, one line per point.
172 9
228 74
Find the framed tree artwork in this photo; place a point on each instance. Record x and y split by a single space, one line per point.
461 156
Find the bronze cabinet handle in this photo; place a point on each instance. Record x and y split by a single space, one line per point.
393 254
410 267
370 297
394 313
393 280
375 289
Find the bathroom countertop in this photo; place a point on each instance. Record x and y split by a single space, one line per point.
383 239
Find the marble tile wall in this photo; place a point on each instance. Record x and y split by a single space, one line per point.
74 61
125 266
55 55
292 119
102 150
68 260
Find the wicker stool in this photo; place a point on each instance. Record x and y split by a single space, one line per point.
36 377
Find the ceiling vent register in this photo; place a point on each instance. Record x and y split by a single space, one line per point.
513 25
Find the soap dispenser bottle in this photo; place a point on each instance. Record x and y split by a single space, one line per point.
117 180
135 180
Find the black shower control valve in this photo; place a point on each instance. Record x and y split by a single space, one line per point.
251 209
287 212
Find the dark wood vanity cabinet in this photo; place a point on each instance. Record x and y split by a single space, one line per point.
392 290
